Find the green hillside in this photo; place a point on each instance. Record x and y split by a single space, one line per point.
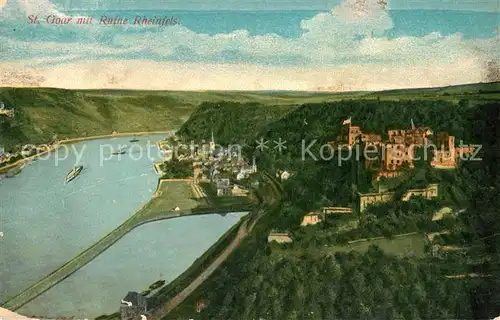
310 279
42 113
231 122
317 182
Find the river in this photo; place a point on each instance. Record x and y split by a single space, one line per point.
46 222
154 251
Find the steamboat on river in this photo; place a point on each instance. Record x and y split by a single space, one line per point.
75 172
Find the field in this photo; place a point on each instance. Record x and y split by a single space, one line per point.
400 246
178 193
227 203
171 194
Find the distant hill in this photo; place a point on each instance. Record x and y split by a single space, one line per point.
465 90
444 109
42 113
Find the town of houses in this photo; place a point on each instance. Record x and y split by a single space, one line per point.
27 150
223 167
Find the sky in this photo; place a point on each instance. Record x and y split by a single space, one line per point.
465 5
340 46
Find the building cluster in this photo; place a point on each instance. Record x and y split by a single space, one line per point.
318 216
220 166
391 153
398 149
366 199
133 306
27 150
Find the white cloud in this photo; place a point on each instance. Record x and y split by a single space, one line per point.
20 8
137 74
348 42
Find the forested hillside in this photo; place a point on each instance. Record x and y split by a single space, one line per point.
304 281
319 182
42 113
230 122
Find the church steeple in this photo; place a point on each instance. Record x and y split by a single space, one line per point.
212 142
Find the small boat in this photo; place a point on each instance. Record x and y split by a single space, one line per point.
134 139
119 151
75 172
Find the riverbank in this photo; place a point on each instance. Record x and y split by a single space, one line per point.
116 134
55 146
176 286
187 284
173 288
169 195
22 161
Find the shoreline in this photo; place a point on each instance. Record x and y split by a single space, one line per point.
80 139
94 250
108 240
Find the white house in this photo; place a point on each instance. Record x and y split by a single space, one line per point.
223 187
27 150
284 175
246 169
240 176
279 237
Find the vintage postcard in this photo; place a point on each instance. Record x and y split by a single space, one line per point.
268 159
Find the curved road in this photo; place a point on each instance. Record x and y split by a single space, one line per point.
180 297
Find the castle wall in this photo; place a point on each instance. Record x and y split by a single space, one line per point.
396 155
279 237
369 198
354 132
311 219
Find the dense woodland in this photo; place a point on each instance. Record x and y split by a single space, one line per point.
230 122
254 282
